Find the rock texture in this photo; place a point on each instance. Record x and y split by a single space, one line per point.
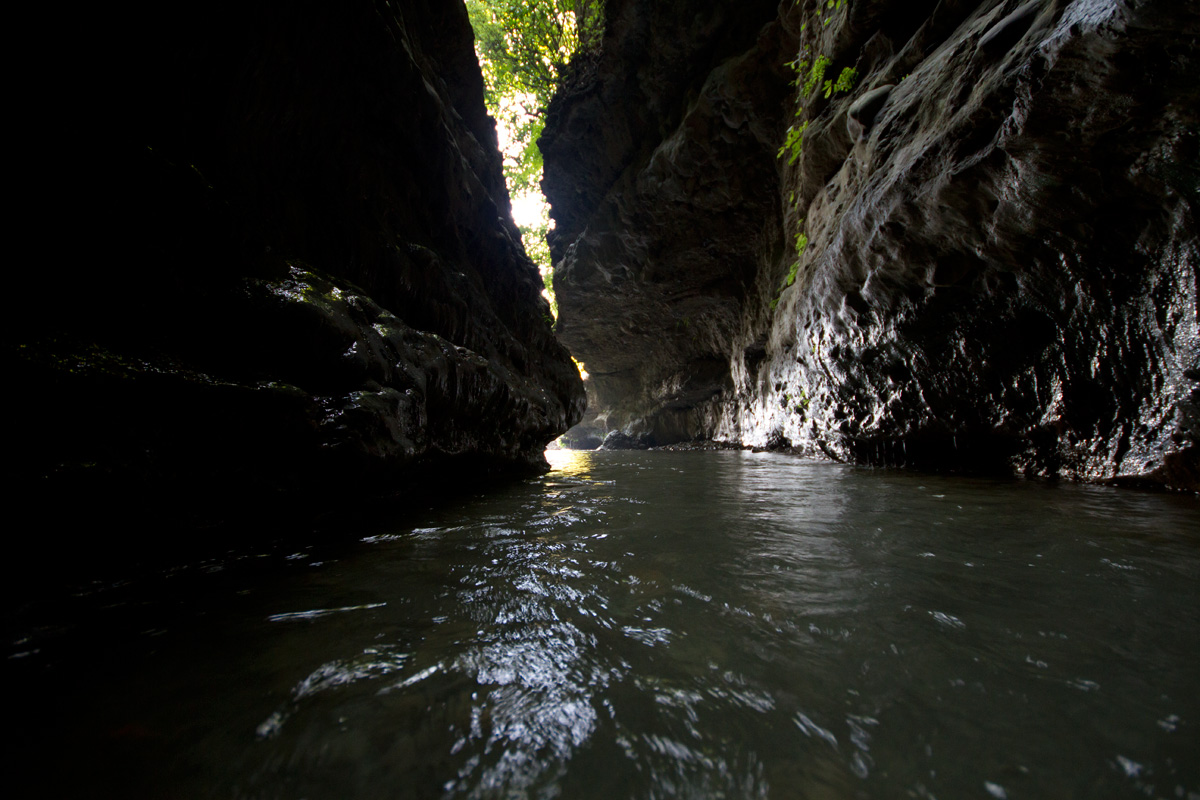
1001 250
277 263
660 172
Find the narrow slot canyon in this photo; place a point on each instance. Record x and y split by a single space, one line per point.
830 431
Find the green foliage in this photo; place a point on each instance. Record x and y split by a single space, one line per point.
524 47
801 242
523 172
793 143
815 74
844 83
540 253
801 245
801 402
809 77
533 234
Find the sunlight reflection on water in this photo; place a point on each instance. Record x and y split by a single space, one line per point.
571 463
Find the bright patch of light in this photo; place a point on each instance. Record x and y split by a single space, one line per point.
529 209
573 463
519 102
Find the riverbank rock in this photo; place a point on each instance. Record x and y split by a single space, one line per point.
275 265
995 273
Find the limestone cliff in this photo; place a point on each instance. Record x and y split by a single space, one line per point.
981 255
275 261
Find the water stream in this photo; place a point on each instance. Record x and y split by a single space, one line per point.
655 625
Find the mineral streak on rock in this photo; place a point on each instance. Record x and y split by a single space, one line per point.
285 267
1000 270
1007 32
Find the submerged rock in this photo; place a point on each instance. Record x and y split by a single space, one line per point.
287 273
997 273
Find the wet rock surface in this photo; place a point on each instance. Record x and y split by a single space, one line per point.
997 269
285 270
654 161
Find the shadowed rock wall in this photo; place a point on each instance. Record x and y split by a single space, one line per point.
661 174
1000 270
277 262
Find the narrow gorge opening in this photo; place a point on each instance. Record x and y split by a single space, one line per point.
527 50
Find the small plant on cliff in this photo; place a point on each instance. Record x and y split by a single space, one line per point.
844 83
811 76
793 143
815 73
801 242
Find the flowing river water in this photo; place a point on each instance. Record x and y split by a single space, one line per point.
653 625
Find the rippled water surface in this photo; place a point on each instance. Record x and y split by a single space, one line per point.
647 625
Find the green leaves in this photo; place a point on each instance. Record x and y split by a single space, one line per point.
844 83
806 82
809 77
793 144
524 45
801 242
815 74
524 48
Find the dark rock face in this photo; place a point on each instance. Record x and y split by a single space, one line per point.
1000 270
655 162
287 269
619 440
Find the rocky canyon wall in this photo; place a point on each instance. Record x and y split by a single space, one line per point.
272 261
981 255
